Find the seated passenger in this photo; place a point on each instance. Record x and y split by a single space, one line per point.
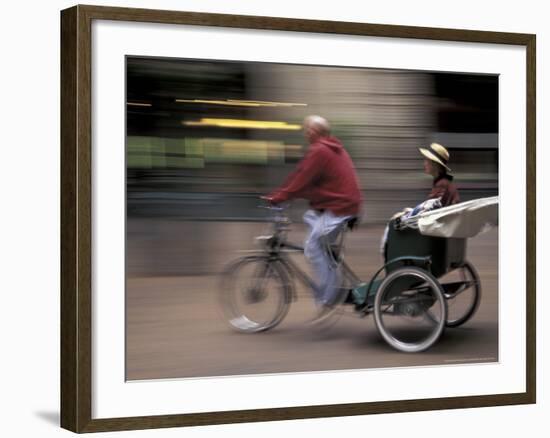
435 164
443 193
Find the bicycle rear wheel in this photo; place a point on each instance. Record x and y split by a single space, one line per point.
255 294
463 294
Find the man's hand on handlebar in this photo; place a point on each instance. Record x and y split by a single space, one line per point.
268 199
272 205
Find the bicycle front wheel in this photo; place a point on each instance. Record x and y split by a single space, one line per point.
255 294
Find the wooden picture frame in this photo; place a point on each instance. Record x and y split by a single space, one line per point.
76 217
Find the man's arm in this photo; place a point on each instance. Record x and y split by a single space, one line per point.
307 171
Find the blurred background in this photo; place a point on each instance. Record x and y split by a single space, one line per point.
206 138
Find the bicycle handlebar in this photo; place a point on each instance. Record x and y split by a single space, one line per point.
272 207
279 217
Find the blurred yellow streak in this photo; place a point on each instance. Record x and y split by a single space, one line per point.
247 103
249 124
138 104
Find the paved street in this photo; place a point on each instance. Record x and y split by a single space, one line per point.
175 329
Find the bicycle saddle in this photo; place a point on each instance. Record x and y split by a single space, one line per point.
352 222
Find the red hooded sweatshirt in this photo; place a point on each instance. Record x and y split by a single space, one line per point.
326 177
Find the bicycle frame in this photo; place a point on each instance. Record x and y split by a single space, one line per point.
278 249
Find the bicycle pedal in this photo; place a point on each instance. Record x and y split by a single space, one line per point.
363 310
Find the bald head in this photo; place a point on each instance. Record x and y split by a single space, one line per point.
315 127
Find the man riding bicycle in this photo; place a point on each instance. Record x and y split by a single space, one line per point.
326 177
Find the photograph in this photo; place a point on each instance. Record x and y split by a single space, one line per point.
299 218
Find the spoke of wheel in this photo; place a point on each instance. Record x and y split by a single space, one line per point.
430 317
386 310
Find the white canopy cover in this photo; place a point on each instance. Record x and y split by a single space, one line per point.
463 220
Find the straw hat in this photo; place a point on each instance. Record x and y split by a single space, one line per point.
436 153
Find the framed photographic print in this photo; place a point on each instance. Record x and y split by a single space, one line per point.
268 219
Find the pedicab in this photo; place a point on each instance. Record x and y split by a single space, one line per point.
411 296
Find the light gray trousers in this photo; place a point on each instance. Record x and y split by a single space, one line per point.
324 229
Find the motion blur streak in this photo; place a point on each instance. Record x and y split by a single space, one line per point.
248 124
233 102
138 104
